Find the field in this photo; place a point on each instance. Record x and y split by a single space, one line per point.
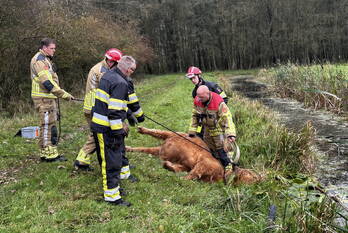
42 197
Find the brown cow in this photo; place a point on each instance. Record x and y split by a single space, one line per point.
179 155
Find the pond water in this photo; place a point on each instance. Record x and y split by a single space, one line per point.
331 133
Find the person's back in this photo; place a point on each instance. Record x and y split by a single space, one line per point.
110 83
112 56
92 84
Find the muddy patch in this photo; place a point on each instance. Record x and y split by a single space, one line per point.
331 131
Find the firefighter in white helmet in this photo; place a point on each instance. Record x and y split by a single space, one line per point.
45 91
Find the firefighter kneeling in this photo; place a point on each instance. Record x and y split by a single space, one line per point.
211 113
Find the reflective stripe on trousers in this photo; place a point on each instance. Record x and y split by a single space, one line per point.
109 151
45 129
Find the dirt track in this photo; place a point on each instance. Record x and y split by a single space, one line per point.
331 131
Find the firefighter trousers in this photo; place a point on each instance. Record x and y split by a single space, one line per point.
216 145
84 156
48 138
109 151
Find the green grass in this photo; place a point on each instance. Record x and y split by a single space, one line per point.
42 197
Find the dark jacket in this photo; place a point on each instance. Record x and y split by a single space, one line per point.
133 104
214 87
110 107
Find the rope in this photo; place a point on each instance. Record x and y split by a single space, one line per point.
235 146
59 124
176 133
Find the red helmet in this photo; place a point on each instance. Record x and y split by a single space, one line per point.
192 71
113 54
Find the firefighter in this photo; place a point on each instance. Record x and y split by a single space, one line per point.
211 112
134 115
45 91
108 116
195 75
112 56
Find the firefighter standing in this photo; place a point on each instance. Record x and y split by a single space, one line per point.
45 91
83 161
195 75
134 115
211 112
109 114
112 56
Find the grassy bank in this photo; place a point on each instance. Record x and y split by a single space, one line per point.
319 86
41 197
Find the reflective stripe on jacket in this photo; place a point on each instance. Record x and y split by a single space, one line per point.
45 83
133 102
92 84
110 106
214 116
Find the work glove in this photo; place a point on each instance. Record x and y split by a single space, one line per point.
67 96
132 120
141 119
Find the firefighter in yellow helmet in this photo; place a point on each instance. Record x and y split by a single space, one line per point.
112 56
45 91
211 113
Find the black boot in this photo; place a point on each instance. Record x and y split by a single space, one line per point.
120 202
223 158
82 167
132 179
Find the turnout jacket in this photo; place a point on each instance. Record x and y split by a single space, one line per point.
213 115
110 106
214 87
92 84
133 103
45 82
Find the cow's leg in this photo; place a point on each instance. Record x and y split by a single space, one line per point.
174 167
194 174
204 172
148 150
160 134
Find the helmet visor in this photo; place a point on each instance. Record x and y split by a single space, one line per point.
189 75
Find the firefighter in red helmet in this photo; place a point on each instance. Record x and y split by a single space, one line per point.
112 56
195 75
